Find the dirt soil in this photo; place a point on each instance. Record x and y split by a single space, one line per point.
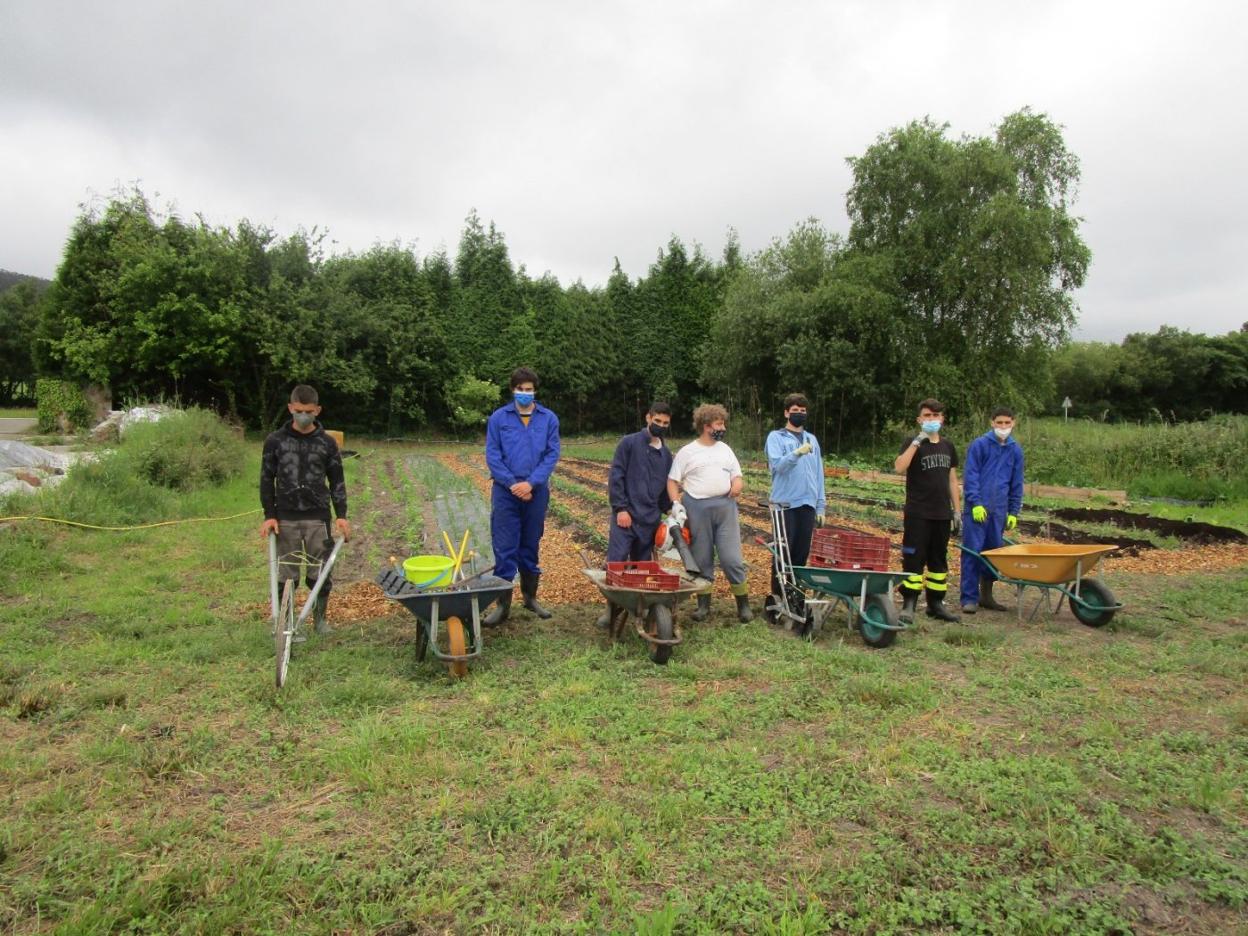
1192 532
564 546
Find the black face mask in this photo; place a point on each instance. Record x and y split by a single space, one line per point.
797 419
718 434
658 431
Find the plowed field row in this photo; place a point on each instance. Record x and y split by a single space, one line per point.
1139 556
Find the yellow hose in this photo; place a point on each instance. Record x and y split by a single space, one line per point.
141 526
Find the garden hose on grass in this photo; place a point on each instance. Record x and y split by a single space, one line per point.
141 526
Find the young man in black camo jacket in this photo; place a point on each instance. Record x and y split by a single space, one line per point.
300 476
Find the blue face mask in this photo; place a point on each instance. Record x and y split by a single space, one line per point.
522 398
303 420
931 425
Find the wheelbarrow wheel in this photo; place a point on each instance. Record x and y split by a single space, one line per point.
659 624
1095 593
876 621
282 632
458 646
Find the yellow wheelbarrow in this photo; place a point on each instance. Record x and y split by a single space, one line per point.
1054 567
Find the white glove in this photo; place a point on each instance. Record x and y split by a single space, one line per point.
803 449
919 439
677 514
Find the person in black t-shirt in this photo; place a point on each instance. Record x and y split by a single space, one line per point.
932 509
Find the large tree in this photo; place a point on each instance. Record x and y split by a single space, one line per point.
985 252
19 318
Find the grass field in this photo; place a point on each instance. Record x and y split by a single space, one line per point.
17 412
994 778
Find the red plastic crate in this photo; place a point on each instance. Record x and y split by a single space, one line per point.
833 548
648 576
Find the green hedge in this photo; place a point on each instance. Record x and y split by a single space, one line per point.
55 398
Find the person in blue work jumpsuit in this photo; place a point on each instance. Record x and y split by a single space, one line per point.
637 487
521 450
992 498
796 465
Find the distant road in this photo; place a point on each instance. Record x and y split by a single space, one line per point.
17 428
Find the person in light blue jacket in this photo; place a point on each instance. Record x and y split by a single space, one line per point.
796 465
992 498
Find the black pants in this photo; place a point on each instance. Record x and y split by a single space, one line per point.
799 524
925 543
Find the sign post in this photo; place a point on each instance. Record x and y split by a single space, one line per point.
1066 404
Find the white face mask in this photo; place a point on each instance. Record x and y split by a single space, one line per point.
1003 434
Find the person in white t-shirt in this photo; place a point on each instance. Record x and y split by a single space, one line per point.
706 480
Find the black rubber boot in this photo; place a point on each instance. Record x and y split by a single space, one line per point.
985 596
936 609
499 613
319 611
703 610
528 590
909 601
745 613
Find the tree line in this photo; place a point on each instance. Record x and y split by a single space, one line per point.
956 279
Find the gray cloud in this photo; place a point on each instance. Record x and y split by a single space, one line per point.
588 132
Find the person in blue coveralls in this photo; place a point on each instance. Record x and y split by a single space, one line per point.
992 498
521 450
796 465
638 490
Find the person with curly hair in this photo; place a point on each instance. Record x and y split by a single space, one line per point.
706 480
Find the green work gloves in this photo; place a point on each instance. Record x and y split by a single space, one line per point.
818 520
1011 521
803 449
979 514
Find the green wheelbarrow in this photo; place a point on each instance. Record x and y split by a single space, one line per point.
865 594
1053 567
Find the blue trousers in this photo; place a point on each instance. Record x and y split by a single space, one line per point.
978 536
516 528
636 544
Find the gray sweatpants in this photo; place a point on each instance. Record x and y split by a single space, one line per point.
297 539
715 530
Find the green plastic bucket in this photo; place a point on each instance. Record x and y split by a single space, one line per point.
428 571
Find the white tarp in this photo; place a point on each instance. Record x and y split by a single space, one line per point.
20 455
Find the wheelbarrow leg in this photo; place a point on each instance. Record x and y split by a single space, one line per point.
617 621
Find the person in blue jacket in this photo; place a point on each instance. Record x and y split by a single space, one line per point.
992 498
796 465
521 450
637 487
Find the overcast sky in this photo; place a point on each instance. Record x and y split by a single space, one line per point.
588 131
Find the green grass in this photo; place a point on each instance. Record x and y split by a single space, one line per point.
988 778
18 412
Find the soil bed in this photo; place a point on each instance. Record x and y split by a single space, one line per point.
1192 532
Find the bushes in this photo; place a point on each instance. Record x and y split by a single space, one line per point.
184 451
1194 461
55 398
141 479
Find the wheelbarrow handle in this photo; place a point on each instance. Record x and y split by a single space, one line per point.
273 598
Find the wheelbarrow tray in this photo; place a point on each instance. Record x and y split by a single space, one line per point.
640 600
847 582
452 602
1045 563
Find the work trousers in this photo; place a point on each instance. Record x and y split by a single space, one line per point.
799 526
303 541
978 536
925 544
636 544
516 528
716 531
